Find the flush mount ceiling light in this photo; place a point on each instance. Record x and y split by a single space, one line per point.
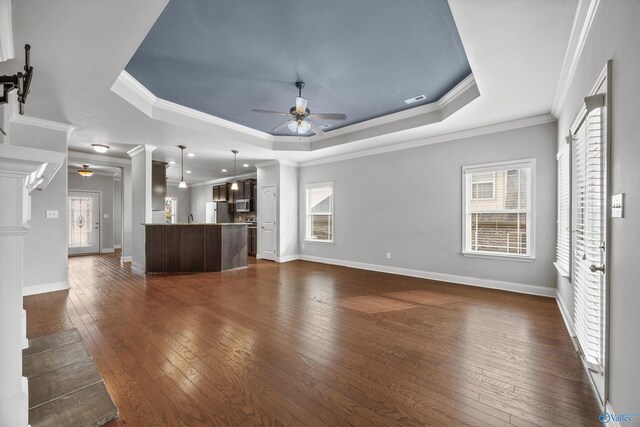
172 162
234 186
182 183
246 165
188 172
85 171
223 170
100 148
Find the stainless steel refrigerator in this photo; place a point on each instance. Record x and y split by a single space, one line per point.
217 213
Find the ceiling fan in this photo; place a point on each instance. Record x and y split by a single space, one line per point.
300 122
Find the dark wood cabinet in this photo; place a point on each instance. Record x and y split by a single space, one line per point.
252 241
216 193
231 197
221 192
158 185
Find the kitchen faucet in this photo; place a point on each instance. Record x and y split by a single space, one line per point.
190 218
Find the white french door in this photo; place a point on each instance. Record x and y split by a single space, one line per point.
589 194
84 222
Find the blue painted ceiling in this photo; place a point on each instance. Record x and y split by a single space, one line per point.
358 57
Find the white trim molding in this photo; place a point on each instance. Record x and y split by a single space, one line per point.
124 259
520 288
97 159
132 91
287 258
566 316
453 136
107 250
583 20
45 287
117 247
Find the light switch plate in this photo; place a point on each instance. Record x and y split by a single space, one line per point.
105 216
52 214
617 205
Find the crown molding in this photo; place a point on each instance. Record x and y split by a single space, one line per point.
98 159
140 148
41 123
223 180
6 31
468 133
277 162
132 91
580 29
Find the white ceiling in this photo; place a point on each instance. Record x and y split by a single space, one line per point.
79 48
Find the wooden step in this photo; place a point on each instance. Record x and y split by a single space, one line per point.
88 407
65 388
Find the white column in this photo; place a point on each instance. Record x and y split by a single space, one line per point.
21 170
127 221
140 202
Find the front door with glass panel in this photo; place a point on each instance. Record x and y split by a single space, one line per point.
84 222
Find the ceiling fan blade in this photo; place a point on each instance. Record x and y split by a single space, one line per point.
329 116
257 110
314 128
281 126
301 104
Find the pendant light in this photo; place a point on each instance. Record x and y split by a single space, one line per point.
234 186
182 183
85 171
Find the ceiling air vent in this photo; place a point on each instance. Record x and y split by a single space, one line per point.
324 126
415 99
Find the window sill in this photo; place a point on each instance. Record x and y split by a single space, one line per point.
499 256
318 241
562 271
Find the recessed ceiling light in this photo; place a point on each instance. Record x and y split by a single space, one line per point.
172 162
246 165
415 99
100 148
223 170
188 171
190 155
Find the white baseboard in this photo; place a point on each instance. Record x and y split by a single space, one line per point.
125 259
566 316
107 251
521 288
117 246
287 258
44 288
14 407
258 256
137 267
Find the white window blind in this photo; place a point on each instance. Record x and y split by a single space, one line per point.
498 206
588 223
319 224
563 237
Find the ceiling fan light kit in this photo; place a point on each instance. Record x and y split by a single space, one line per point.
300 122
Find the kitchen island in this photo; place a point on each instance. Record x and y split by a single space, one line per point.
190 248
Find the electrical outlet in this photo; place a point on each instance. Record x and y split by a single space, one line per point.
388 255
51 214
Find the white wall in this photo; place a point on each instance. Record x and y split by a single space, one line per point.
409 203
615 34
104 185
117 213
267 176
45 245
184 201
141 212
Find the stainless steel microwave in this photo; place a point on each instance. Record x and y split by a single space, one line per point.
243 205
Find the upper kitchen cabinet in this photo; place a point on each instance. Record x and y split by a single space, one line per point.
158 185
220 193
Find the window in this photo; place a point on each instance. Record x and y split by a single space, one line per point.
563 235
319 201
171 210
498 209
483 186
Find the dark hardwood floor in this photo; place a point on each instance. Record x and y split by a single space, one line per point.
310 344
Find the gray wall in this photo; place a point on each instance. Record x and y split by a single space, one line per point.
614 35
184 201
45 245
104 185
409 203
200 195
117 213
